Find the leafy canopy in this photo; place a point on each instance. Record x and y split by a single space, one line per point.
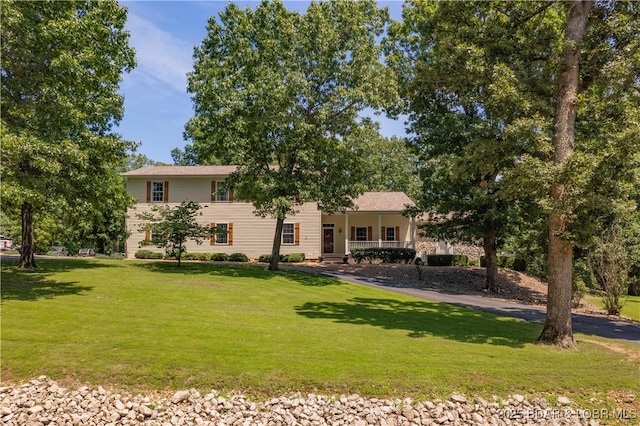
278 93
61 68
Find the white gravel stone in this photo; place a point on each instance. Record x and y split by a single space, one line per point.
42 402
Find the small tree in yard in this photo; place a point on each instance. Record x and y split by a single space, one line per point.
175 226
609 263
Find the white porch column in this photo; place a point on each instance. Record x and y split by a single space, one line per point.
379 230
346 232
413 232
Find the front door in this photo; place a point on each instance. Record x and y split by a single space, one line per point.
327 247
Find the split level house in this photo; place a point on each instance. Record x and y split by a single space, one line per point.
375 221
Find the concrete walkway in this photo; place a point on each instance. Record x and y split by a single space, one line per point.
613 328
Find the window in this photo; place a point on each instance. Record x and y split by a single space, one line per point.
222 234
157 192
390 233
361 234
220 189
157 238
288 233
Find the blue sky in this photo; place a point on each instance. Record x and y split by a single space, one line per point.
164 33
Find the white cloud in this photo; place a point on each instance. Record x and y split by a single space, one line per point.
163 60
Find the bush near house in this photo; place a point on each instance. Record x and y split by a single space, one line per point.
384 254
509 262
287 258
196 256
447 260
148 254
219 257
238 257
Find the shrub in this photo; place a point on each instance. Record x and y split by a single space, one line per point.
219 257
509 262
519 264
117 256
148 254
447 260
294 258
238 257
384 254
196 256
474 262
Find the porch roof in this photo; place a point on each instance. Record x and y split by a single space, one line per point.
382 202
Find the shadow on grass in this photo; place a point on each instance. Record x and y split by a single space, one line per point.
426 319
239 270
53 265
34 284
33 288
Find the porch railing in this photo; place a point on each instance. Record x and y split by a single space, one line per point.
369 244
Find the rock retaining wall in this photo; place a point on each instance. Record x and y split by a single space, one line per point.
42 402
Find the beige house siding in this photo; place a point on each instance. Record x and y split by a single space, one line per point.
252 235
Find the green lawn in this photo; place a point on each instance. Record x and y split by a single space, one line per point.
144 325
630 307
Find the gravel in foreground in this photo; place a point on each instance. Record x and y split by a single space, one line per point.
42 401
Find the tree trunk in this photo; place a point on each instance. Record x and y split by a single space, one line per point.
491 258
27 258
277 239
557 327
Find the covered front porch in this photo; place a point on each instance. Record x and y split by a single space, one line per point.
377 221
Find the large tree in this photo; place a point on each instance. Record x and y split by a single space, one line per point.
61 68
279 94
557 328
476 80
596 140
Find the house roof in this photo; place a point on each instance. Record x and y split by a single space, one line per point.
155 171
382 202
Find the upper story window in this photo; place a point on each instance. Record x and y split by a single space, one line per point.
157 192
220 193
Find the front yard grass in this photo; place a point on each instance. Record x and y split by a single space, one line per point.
144 325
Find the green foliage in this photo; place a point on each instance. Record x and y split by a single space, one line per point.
384 254
238 257
196 256
219 257
175 225
610 264
148 254
61 69
287 258
475 77
293 258
509 262
280 95
447 260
